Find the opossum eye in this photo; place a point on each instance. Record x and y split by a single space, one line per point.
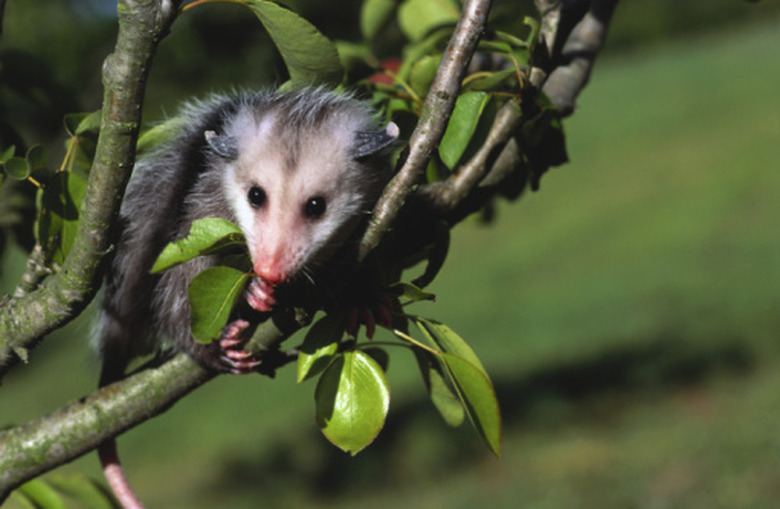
315 207
256 196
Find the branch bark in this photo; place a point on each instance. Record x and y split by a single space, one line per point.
38 446
433 120
446 195
61 297
572 67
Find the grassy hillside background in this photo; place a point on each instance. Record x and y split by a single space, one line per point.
628 313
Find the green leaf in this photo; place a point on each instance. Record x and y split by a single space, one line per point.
72 121
509 39
375 15
42 495
79 124
59 216
310 57
418 17
436 170
380 355
60 491
353 55
533 33
463 122
159 134
352 399
411 292
494 47
478 396
444 399
83 155
522 57
212 295
492 81
84 129
423 73
319 346
522 49
78 487
434 43
36 158
21 500
206 236
17 168
7 154
447 340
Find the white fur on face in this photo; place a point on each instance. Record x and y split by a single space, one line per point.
281 237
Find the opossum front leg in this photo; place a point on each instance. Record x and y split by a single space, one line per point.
239 361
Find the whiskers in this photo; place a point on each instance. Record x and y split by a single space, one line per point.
307 273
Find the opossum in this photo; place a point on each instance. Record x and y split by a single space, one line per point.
298 172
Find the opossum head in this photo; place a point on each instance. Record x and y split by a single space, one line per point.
300 174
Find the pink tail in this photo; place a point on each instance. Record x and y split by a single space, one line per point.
112 469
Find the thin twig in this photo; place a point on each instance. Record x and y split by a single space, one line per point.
34 272
447 195
433 120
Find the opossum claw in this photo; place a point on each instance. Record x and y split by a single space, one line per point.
260 295
237 361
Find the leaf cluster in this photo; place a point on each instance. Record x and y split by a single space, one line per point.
59 190
496 133
349 413
353 396
60 491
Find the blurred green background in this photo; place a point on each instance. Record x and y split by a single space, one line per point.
629 311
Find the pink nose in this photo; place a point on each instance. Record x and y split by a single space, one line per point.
271 273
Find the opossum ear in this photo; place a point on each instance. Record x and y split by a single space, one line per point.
371 142
225 146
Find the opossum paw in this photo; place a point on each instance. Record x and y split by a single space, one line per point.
233 357
233 331
260 295
238 362
379 312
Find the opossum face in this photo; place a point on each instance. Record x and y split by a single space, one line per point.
297 197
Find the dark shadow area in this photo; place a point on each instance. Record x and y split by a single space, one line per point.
417 447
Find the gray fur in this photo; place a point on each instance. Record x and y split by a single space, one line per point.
195 175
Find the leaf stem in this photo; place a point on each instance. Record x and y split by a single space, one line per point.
201 2
416 343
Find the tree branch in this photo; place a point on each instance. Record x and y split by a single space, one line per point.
445 196
61 297
433 120
38 446
578 54
550 12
